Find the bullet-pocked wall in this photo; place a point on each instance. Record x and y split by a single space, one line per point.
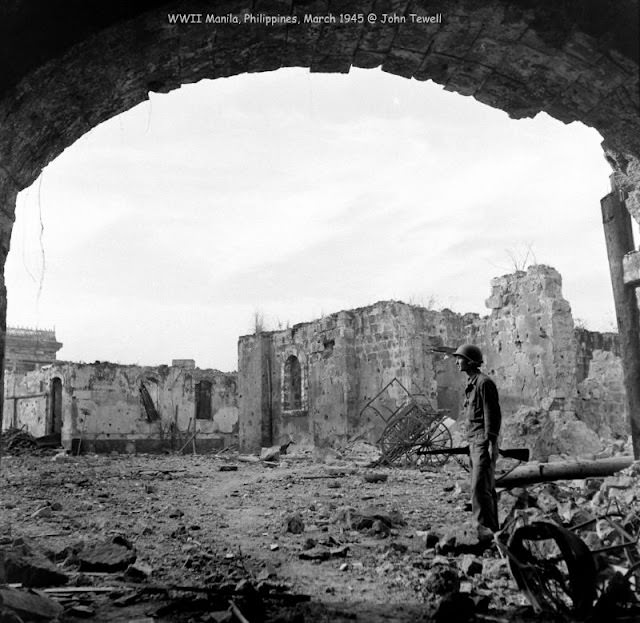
102 407
69 66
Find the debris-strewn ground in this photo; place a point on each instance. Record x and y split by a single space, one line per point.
218 538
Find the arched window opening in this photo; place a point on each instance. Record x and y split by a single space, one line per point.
203 400
292 394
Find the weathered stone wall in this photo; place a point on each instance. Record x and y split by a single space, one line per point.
528 339
346 359
101 406
538 359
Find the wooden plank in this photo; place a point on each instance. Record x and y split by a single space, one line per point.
619 241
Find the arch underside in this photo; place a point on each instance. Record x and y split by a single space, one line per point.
574 60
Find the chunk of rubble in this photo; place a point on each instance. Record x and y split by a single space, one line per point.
107 556
461 539
29 605
370 521
270 454
470 565
294 524
20 563
495 568
442 579
375 477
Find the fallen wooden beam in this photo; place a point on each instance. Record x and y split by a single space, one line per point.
563 470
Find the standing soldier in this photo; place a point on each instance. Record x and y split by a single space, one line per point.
482 410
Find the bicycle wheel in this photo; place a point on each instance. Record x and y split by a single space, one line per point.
436 437
553 567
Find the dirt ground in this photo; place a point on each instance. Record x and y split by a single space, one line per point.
198 526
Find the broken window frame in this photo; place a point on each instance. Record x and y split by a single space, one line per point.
203 405
150 410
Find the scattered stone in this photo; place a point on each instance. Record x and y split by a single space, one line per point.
228 468
373 522
139 571
82 612
462 487
29 605
605 531
270 454
470 565
374 477
176 513
56 506
219 616
461 539
24 565
321 553
442 579
309 544
42 513
546 501
107 557
495 568
63 457
294 524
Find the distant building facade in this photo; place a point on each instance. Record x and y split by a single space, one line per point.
104 407
29 349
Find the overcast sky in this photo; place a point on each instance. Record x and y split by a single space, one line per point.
295 195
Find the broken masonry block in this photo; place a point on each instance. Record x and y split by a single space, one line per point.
30 605
442 579
20 564
294 524
108 557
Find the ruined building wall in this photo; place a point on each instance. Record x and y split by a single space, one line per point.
528 339
531 348
345 359
600 400
99 406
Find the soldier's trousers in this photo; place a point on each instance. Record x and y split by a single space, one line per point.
484 500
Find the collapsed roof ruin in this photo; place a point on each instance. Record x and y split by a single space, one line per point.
561 386
314 382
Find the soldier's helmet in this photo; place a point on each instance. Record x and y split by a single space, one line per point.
470 352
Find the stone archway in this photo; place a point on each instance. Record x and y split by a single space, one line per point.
67 68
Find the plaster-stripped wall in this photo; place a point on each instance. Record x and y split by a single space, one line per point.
101 406
529 341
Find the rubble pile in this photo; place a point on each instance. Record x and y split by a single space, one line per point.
177 538
17 441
